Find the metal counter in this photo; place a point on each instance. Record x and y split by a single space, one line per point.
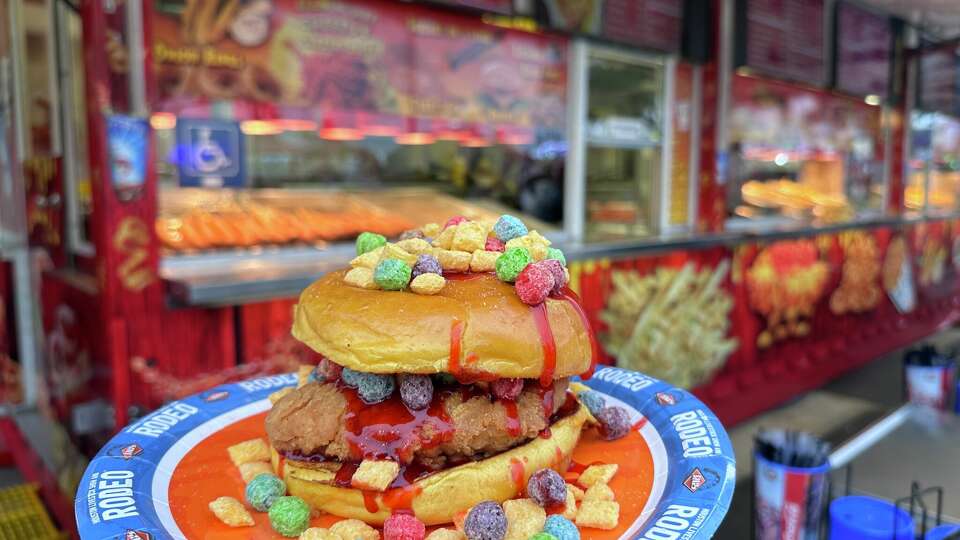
232 278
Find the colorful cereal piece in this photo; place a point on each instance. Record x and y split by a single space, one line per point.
454 261
446 534
263 490
393 251
375 475
247 451
547 488
360 277
593 401
428 284
415 246
484 261
614 423
231 512
598 514
426 264
455 220
249 471
321 476
562 528
485 521
416 391
534 284
318 533
577 492
403 527
556 255
444 240
599 492
368 259
570 505
278 395
303 374
598 473
431 230
392 275
289 516
354 529
508 389
511 263
559 273
509 227
524 518
494 244
368 241
543 536
374 387
409 234
469 236
538 251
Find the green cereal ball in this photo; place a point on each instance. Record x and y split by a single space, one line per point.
512 262
263 490
557 255
368 241
543 536
290 516
392 275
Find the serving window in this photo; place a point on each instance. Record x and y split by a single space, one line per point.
933 181
800 155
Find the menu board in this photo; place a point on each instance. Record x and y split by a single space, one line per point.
362 56
938 81
864 48
647 23
655 24
783 39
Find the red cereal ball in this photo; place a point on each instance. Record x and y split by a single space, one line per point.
547 488
494 244
556 270
507 388
614 423
534 284
328 370
454 221
403 527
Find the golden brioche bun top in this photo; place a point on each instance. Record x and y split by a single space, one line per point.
380 331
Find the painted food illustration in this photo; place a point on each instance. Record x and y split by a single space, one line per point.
859 288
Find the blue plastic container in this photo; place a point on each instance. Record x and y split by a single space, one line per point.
866 518
941 532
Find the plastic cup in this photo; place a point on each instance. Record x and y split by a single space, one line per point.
866 518
789 500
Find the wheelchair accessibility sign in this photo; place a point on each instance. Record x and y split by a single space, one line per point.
210 153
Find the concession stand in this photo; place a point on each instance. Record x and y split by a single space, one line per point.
754 197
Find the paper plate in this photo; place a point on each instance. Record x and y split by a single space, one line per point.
155 478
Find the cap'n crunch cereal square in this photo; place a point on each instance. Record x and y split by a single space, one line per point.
247 451
446 534
599 492
318 533
354 529
231 512
249 470
524 518
598 473
375 475
598 514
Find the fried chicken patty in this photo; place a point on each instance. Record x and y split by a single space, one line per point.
312 420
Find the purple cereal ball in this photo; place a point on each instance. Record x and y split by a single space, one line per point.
416 391
412 233
426 264
555 268
547 488
485 521
507 388
614 423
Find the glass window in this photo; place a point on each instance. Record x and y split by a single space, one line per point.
933 181
624 145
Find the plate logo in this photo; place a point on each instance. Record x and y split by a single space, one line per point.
137 535
665 399
216 396
127 452
701 479
695 480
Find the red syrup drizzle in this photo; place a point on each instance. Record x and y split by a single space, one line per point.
464 375
370 501
547 343
566 293
389 430
464 276
456 338
517 472
344 474
546 401
513 417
